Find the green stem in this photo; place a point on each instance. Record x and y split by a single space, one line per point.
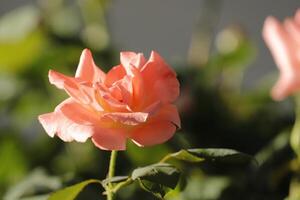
111 173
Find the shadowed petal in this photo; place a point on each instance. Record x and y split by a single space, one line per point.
170 113
126 89
135 87
156 132
167 112
109 139
116 73
153 108
160 79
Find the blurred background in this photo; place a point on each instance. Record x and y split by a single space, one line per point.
225 71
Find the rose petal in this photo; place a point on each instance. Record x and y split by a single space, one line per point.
294 30
140 61
69 131
129 59
283 87
297 16
133 96
78 127
139 93
65 129
128 118
170 113
153 108
69 84
115 74
87 69
60 80
156 132
167 85
78 113
126 89
107 107
160 79
49 123
159 61
116 92
126 59
82 91
108 102
278 41
109 139
283 51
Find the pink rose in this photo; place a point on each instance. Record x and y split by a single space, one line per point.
283 39
133 100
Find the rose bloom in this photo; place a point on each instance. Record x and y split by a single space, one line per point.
283 39
133 100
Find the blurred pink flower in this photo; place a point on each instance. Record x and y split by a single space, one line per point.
283 39
133 100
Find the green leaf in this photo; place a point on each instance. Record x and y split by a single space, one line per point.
210 155
157 190
227 155
71 192
157 179
184 155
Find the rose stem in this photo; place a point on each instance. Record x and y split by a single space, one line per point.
111 173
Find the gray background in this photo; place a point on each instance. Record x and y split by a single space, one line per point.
166 25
